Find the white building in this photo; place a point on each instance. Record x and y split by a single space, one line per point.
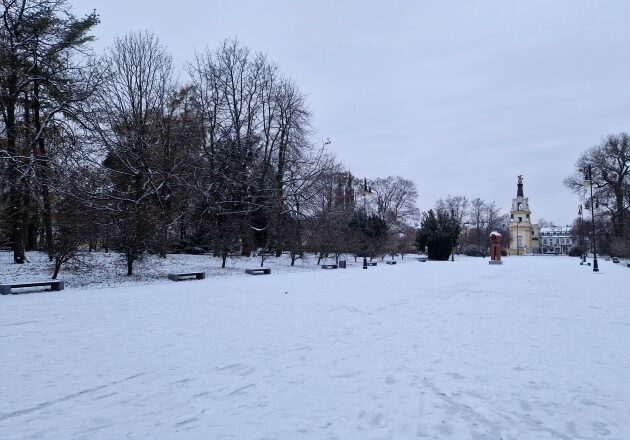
555 240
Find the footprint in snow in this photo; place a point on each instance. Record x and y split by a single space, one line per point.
600 428
456 376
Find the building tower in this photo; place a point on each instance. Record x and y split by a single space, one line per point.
523 234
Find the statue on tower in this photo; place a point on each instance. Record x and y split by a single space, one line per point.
519 187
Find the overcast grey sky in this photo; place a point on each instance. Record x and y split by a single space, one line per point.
460 96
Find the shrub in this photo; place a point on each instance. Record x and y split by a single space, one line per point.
472 251
439 233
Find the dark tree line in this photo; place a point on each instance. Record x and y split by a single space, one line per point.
115 152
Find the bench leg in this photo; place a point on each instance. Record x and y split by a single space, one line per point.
5 290
57 286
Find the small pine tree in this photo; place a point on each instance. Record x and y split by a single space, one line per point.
372 231
439 233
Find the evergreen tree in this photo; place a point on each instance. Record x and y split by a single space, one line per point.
41 42
439 233
372 231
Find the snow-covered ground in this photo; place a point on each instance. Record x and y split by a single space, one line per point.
100 269
538 348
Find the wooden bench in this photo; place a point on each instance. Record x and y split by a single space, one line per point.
329 266
259 271
390 262
183 276
371 263
422 260
55 285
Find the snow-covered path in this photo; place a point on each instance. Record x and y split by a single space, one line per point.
538 348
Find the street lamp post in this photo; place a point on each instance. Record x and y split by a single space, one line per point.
367 191
517 246
453 245
581 235
589 181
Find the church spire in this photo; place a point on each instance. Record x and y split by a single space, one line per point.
519 191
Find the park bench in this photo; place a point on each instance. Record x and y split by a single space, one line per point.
329 266
390 262
422 260
55 285
259 271
183 276
371 263
615 260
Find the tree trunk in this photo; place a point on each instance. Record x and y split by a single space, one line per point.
162 243
56 269
15 196
619 223
129 265
43 170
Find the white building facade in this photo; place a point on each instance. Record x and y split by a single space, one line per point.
555 240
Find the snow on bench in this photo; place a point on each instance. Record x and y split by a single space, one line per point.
329 266
259 271
371 263
55 285
390 262
183 276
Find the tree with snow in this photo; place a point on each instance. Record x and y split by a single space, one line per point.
439 233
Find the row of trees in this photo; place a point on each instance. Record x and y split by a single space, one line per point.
116 152
609 162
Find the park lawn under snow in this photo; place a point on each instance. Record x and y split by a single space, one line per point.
535 349
101 269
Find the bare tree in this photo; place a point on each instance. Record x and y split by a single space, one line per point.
396 200
610 164
456 206
131 107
